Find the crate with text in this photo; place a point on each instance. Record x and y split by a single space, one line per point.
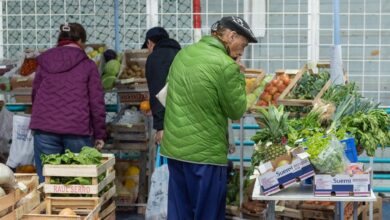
354 184
94 179
284 171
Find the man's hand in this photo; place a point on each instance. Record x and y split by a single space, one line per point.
242 67
99 144
158 136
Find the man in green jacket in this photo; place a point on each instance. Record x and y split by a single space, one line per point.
205 88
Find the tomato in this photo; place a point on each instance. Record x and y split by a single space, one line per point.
276 96
267 98
273 90
274 82
281 88
285 78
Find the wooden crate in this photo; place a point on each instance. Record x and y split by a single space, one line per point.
133 57
93 171
30 180
30 202
299 102
377 210
133 98
7 203
313 211
130 132
291 73
85 208
258 76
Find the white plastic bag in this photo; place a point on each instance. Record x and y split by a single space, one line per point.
162 95
157 206
22 147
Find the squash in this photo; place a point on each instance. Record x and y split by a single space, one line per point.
2 192
67 212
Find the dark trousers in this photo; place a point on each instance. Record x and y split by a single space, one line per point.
51 143
196 191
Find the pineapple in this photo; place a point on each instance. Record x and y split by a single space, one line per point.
274 121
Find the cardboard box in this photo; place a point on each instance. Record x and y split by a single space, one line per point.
277 178
342 184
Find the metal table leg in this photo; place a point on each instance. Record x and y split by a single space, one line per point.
271 210
355 208
340 210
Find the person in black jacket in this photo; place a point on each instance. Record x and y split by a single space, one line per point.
163 50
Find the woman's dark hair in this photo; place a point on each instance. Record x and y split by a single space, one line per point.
73 32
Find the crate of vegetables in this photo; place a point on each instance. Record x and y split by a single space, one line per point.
306 88
88 172
54 208
355 182
284 171
133 64
275 87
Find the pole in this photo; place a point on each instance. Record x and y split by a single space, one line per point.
197 20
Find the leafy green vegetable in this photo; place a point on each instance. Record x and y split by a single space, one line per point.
369 129
337 93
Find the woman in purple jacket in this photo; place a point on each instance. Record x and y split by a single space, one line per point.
68 110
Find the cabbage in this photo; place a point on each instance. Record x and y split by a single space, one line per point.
112 68
108 82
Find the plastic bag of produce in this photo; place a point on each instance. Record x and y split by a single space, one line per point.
331 159
22 147
157 206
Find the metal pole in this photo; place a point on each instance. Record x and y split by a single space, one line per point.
116 21
355 207
241 161
371 210
197 20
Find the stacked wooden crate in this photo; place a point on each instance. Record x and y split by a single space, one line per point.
16 202
99 194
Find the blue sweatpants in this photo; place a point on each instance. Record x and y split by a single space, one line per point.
196 191
51 143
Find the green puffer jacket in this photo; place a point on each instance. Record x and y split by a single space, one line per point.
205 88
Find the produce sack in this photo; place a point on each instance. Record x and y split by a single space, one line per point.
331 160
22 147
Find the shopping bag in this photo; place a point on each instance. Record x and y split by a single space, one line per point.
157 205
162 95
22 147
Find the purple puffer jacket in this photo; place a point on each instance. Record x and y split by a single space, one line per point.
67 95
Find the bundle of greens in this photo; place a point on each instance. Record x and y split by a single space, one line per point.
369 129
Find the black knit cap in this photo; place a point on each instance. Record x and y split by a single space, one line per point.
236 24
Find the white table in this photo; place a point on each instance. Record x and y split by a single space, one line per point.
298 192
